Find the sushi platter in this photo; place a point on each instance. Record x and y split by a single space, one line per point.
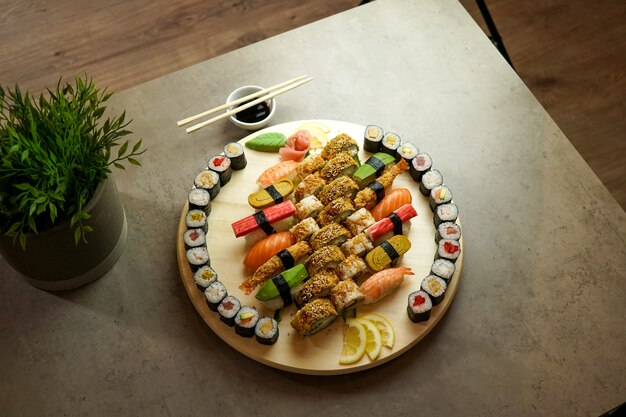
318 353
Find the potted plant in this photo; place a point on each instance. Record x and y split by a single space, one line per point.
62 223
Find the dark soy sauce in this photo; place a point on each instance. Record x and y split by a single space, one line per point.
253 114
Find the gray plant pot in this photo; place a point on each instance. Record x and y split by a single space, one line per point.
52 261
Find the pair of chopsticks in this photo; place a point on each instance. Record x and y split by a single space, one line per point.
266 94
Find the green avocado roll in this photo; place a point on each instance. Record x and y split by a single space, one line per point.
372 168
278 291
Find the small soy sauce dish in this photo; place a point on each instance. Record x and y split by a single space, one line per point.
255 117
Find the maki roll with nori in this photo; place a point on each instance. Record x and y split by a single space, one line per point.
372 137
194 238
214 294
197 257
196 219
449 249
266 331
419 306
228 309
234 151
208 180
199 199
204 276
430 180
419 165
221 165
448 230
446 213
407 151
390 144
443 268
438 196
245 321
435 287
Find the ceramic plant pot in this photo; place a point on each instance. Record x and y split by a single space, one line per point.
52 261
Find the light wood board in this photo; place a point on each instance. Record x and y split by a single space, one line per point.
317 354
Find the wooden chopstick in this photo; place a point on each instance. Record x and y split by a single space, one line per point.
248 105
238 101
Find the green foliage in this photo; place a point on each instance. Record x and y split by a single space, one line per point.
54 152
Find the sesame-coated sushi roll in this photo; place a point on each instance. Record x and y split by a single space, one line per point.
446 213
314 317
448 249
390 144
336 211
221 165
443 269
342 164
245 321
327 257
304 229
351 267
438 196
199 199
372 137
311 185
204 276
419 306
359 221
266 331
310 165
308 207
435 287
359 245
340 187
419 165
234 151
196 257
228 309
214 294
345 295
407 151
331 234
194 238
448 230
340 143
319 285
196 219
430 180
208 180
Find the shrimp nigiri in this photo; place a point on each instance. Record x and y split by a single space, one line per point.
265 248
382 283
282 169
391 202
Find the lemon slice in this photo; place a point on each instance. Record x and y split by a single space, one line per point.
354 342
374 343
384 326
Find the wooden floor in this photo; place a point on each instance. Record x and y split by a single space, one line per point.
570 53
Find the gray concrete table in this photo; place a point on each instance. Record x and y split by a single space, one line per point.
537 327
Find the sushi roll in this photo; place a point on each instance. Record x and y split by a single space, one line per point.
234 151
214 294
372 168
328 257
359 221
280 290
311 185
331 234
439 195
194 238
358 245
196 219
304 229
340 143
387 253
351 267
342 164
390 144
339 187
314 316
407 151
448 230
446 213
448 249
221 165
245 321
419 165
345 295
372 137
336 211
266 331
443 269
419 306
228 309
196 257
435 287
204 276
319 285
199 199
308 207
430 180
310 165
208 180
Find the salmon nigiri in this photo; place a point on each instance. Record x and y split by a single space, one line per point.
391 202
382 283
265 248
274 173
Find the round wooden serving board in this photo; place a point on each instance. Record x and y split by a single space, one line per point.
317 354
